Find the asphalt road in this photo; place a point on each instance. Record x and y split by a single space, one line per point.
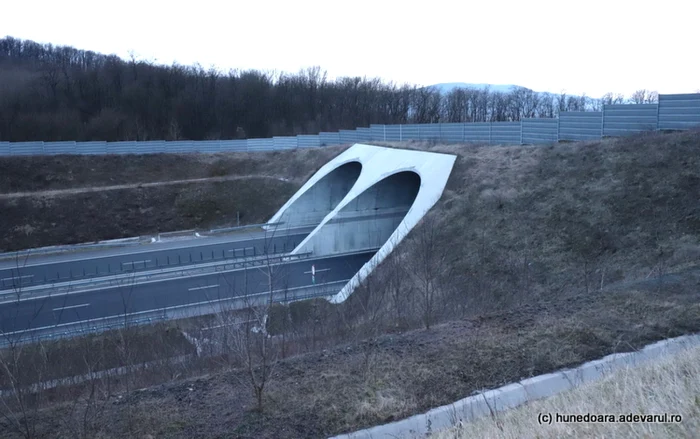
38 270
76 307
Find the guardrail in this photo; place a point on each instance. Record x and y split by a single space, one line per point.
133 278
67 330
123 242
17 281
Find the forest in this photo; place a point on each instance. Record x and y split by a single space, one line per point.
55 93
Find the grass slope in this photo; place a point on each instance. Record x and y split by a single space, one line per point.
39 219
562 254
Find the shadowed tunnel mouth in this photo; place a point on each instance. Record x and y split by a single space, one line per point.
370 218
321 198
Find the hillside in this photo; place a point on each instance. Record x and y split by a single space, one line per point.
549 256
74 199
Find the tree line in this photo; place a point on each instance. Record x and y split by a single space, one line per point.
55 93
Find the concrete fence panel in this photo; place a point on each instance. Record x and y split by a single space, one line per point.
260 145
329 139
429 131
679 112
536 131
410 132
505 133
286 142
620 120
477 132
308 141
580 125
349 136
365 134
394 133
27 148
452 132
377 132
126 147
55 148
240 145
91 148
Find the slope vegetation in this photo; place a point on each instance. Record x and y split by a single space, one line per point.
536 258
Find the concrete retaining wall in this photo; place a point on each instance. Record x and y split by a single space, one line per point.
513 395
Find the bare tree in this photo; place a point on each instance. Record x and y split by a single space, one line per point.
428 265
611 99
644 96
246 341
21 373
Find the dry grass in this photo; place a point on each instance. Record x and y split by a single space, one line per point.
41 173
131 205
669 385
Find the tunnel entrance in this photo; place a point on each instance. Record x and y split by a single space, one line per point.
369 219
320 200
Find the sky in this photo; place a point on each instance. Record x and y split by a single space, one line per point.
589 46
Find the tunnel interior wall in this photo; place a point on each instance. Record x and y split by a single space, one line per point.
321 198
369 219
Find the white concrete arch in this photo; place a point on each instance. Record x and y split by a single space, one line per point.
386 171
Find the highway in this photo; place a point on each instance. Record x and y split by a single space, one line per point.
43 269
50 310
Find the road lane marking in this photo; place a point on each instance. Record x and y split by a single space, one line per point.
202 288
15 277
147 282
136 262
71 307
162 310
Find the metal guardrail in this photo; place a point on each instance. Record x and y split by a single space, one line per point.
122 242
27 282
68 330
168 273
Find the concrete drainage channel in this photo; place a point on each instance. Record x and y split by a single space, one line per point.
513 395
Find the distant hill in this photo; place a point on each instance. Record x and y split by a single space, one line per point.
449 86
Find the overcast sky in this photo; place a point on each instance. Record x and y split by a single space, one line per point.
587 46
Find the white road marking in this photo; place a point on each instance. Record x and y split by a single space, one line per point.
72 307
202 288
244 249
13 278
136 262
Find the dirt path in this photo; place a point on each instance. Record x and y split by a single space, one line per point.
72 191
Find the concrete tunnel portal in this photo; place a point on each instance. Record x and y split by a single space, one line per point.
367 198
369 219
320 200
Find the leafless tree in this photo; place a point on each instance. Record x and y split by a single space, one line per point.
611 99
243 320
21 372
644 96
428 265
